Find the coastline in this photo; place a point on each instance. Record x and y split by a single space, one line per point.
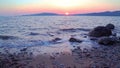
96 57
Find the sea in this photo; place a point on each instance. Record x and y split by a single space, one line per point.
51 31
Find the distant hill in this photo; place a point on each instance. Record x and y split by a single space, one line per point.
43 14
107 13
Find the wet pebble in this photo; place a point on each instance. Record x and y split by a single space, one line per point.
75 40
32 33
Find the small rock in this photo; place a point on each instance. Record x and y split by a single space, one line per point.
87 54
78 47
74 40
56 39
34 33
106 41
85 36
57 53
74 46
93 38
24 49
4 37
45 53
51 57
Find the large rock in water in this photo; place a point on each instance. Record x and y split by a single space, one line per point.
107 41
110 26
100 31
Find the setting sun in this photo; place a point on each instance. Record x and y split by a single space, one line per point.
66 13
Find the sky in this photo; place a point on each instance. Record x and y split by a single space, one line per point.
20 7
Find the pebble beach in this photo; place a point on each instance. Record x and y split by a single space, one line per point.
96 57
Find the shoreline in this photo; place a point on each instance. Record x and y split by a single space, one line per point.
96 57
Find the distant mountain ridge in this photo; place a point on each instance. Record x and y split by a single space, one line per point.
107 13
44 14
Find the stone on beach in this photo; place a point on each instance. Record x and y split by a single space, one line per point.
74 40
100 31
104 35
56 39
34 33
5 37
107 41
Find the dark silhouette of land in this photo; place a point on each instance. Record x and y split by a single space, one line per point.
106 13
44 14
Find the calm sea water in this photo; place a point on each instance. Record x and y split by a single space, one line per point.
42 30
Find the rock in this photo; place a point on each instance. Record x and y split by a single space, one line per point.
52 57
93 38
74 29
74 40
78 47
24 49
57 53
107 41
56 39
4 37
100 31
34 33
110 26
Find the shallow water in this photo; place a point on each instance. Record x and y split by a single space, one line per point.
33 31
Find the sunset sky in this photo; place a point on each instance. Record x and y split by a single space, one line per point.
19 7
